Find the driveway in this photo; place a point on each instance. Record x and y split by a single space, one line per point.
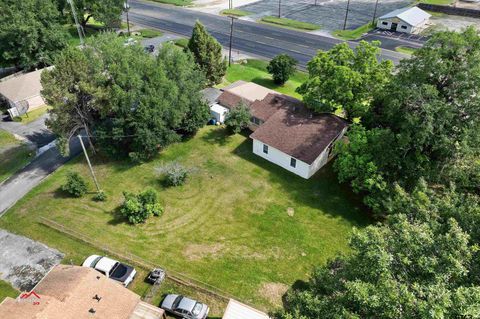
24 262
35 131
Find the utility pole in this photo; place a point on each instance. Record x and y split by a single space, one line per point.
88 161
231 40
375 13
346 15
279 8
79 27
230 4
126 6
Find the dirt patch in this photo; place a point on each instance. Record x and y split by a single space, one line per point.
200 251
273 292
290 211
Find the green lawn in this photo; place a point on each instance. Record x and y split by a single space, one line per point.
150 33
405 50
235 12
438 2
353 34
7 291
256 71
175 2
289 23
241 224
14 155
182 43
32 115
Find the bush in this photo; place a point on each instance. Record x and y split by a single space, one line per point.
176 175
238 118
138 207
75 185
282 67
101 196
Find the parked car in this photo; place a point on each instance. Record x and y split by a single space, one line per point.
184 307
111 268
150 48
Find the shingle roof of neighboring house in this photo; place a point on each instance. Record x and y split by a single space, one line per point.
238 310
68 292
211 95
22 87
264 109
229 100
296 131
411 15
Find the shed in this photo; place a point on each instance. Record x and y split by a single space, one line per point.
218 112
406 20
238 310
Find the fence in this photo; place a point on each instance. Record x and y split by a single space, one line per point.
450 10
175 276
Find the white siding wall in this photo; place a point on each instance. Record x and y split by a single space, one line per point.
387 26
281 159
409 29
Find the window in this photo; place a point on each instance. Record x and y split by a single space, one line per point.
293 162
256 121
404 26
384 23
265 148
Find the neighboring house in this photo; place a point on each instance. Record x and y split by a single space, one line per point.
74 292
285 132
407 20
238 310
22 90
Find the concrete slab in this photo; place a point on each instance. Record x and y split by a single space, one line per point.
24 262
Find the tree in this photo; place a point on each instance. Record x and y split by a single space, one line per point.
129 102
405 269
107 12
343 79
238 118
281 68
30 33
75 185
208 54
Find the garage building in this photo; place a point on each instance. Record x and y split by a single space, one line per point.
410 20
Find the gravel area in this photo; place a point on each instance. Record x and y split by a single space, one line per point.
24 262
452 23
329 14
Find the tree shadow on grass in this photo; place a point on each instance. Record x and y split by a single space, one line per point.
298 285
322 191
118 218
219 136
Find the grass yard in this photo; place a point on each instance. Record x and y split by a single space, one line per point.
235 12
150 33
7 291
180 3
14 154
289 23
355 33
241 224
405 50
182 43
32 115
438 2
256 71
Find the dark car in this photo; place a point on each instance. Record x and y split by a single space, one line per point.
184 307
150 48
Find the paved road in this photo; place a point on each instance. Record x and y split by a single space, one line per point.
19 184
249 37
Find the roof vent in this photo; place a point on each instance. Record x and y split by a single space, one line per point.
97 298
92 310
98 277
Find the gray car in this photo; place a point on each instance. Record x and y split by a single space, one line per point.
185 307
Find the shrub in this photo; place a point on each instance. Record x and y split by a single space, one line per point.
101 196
138 207
238 118
75 185
176 175
281 68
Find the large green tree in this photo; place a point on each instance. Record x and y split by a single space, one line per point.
424 124
208 54
131 103
282 67
30 33
345 79
107 12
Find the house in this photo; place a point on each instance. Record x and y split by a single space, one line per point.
73 292
285 131
238 310
22 92
407 20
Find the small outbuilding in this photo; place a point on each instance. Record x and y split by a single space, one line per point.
406 20
238 310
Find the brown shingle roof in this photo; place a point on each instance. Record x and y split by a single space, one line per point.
229 100
67 293
295 130
22 87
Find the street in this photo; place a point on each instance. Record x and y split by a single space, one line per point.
251 38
